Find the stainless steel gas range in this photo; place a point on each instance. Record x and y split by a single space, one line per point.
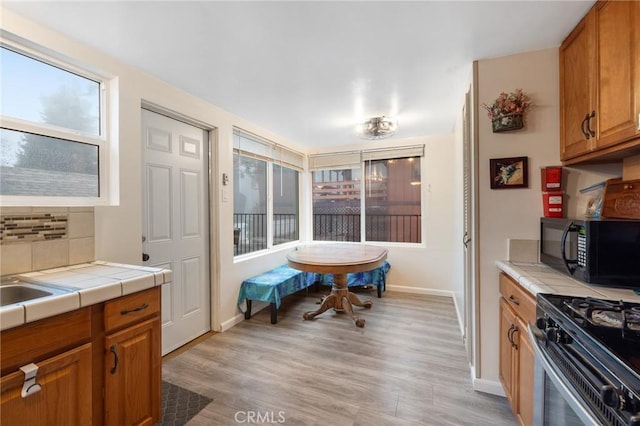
587 361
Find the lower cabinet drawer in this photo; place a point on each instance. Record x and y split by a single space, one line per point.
522 302
130 309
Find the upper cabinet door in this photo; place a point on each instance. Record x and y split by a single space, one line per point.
618 59
577 76
600 85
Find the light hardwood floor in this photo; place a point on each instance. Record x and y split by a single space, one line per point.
407 366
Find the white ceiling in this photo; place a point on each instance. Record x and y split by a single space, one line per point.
310 71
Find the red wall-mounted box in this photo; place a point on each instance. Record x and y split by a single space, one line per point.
551 178
552 203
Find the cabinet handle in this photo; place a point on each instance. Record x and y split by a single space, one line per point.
514 300
139 308
512 330
584 121
115 359
514 344
592 132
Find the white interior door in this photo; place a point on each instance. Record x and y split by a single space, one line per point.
176 223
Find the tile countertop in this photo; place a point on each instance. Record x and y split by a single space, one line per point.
540 278
80 285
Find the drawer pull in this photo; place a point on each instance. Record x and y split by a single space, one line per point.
115 359
514 300
30 386
139 308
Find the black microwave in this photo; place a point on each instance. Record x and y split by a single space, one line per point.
598 251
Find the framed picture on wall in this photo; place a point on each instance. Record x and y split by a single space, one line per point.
509 173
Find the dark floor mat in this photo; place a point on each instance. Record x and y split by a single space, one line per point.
179 405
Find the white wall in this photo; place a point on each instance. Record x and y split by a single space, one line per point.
515 213
118 229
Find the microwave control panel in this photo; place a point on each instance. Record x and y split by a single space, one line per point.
582 249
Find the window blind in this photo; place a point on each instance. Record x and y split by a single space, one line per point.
335 160
394 152
353 159
254 146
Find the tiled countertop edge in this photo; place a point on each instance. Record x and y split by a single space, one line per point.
540 278
108 287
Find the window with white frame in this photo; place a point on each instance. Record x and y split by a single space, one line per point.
371 195
52 128
265 193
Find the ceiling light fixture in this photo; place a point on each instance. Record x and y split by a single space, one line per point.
378 127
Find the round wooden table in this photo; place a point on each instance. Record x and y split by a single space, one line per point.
338 259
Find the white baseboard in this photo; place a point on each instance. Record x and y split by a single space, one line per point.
459 316
226 325
488 386
416 290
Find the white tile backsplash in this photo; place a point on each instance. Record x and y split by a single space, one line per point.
523 250
81 250
78 246
81 225
50 254
15 258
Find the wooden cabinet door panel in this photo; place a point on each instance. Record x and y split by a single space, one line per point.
507 372
576 99
132 375
615 83
525 374
65 397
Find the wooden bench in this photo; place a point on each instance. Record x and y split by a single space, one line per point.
272 286
376 277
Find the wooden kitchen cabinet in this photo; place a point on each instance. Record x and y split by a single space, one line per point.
132 359
600 85
517 310
525 374
508 356
81 382
64 397
61 348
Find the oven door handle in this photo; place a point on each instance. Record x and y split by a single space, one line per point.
563 245
538 339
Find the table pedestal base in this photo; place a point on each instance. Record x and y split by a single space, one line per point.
341 300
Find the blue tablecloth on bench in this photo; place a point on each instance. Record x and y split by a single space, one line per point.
273 285
377 277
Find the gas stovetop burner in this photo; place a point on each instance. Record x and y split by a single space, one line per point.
605 313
